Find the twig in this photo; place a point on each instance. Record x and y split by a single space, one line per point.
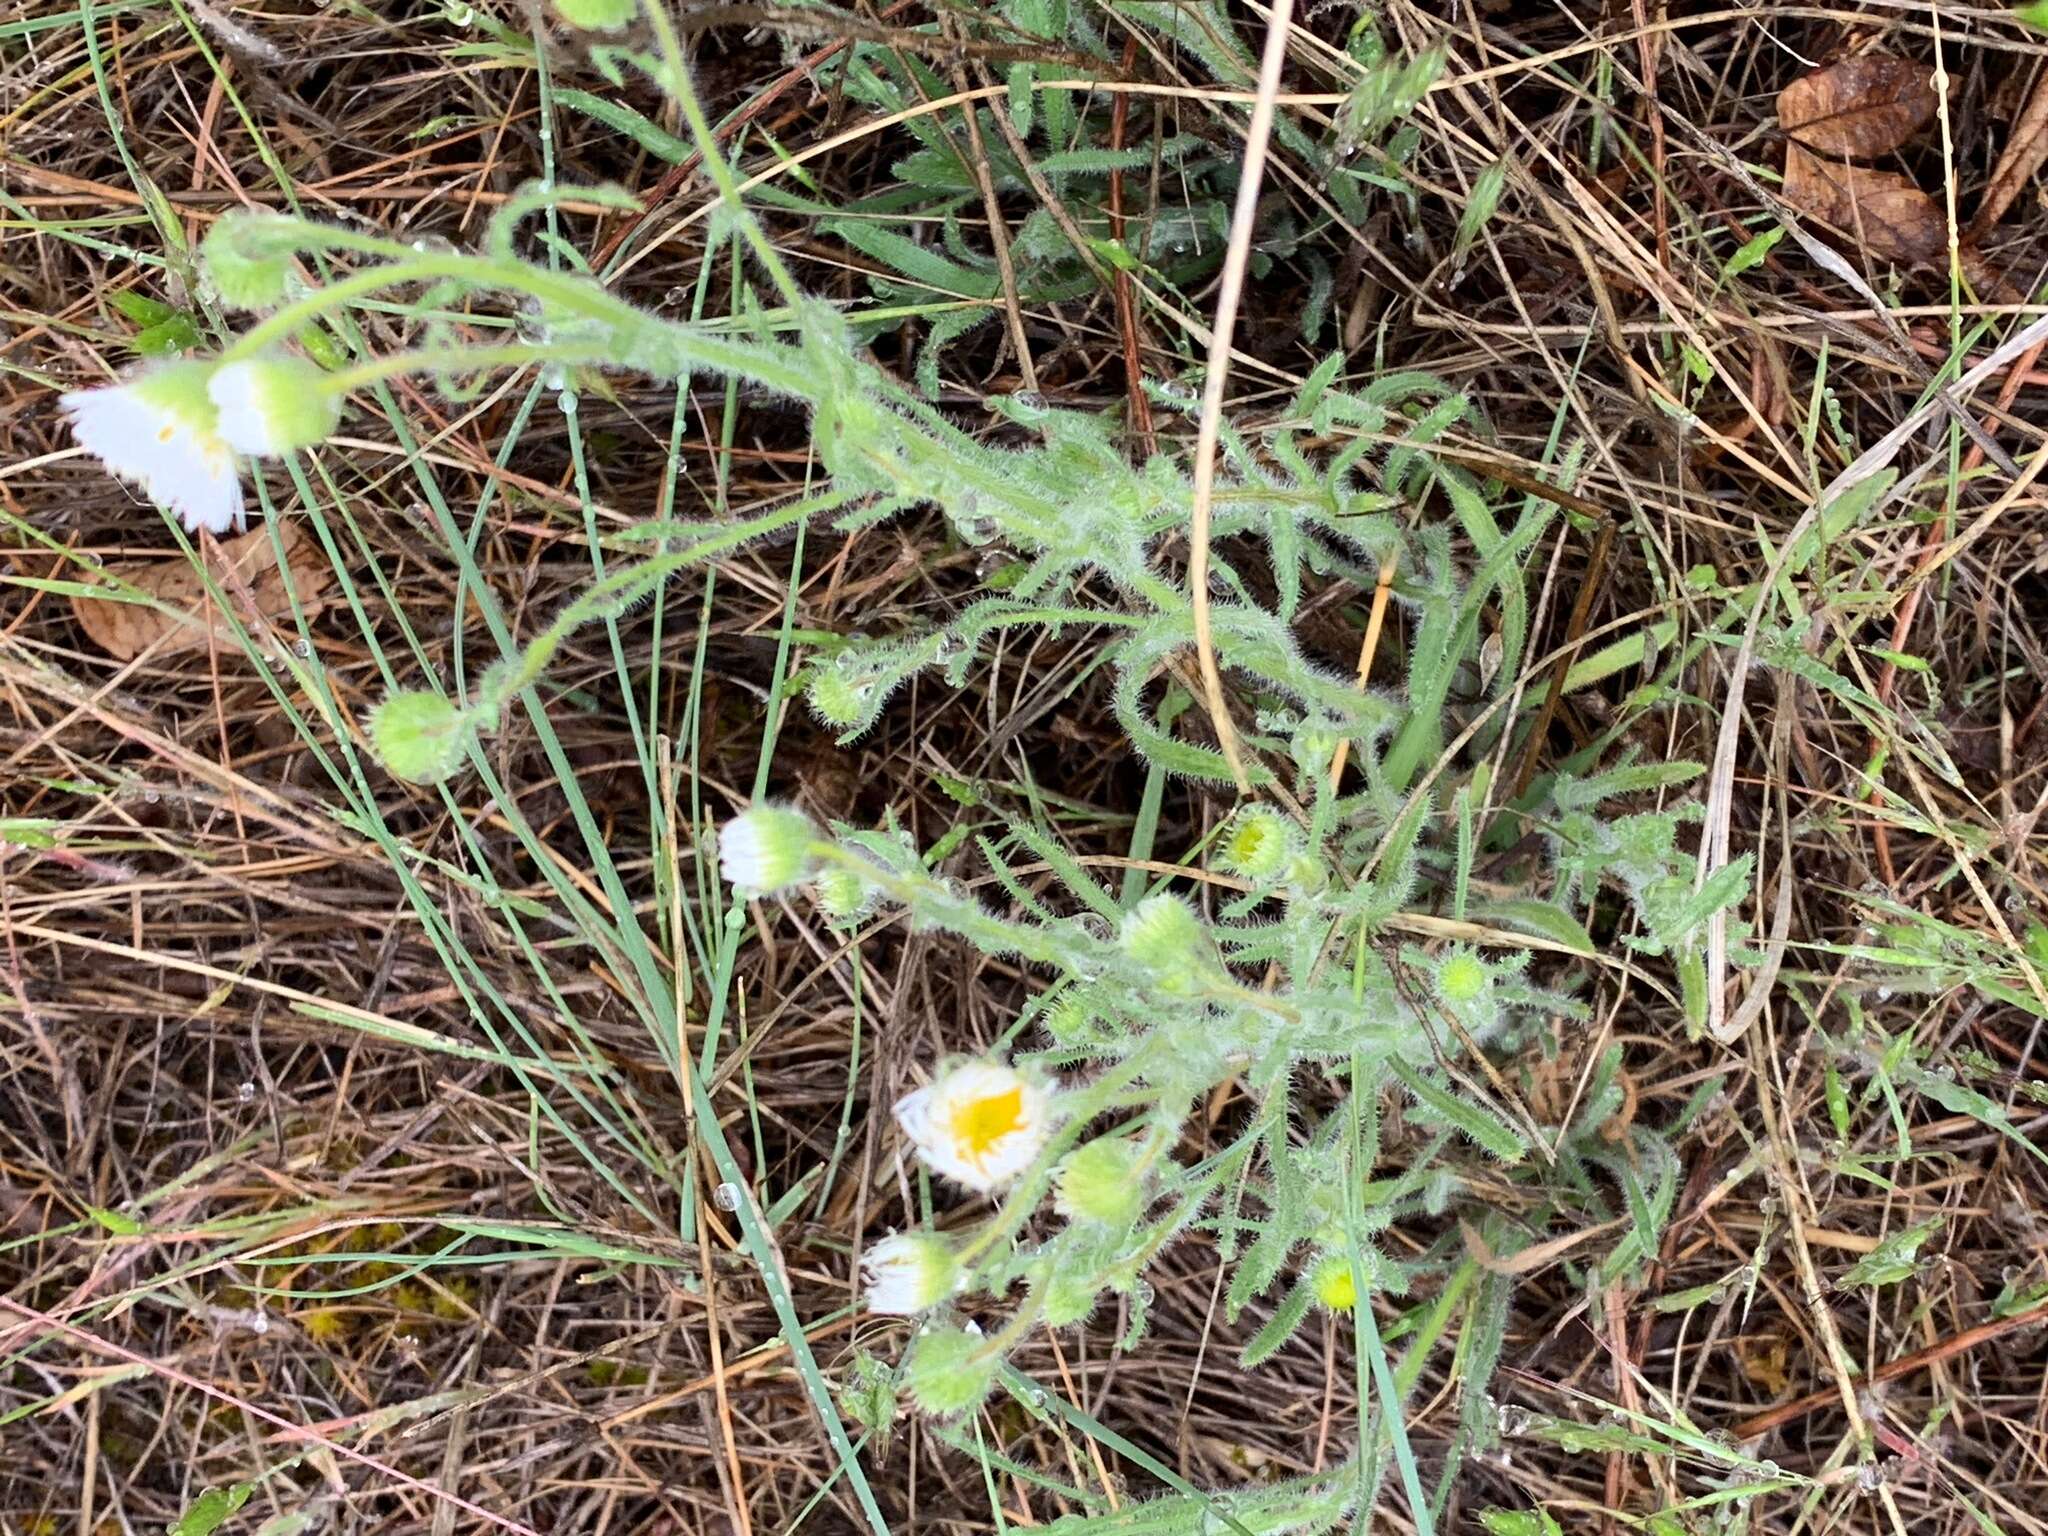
1243 217
1126 305
1382 588
1892 1370
998 233
1574 630
2024 152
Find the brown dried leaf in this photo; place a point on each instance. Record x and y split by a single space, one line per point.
1864 107
1765 1361
124 630
1888 215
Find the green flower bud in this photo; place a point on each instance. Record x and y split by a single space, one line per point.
842 894
766 849
1070 1018
1258 845
1306 872
1102 1182
950 1371
271 406
1462 977
598 15
1164 936
840 697
1067 1298
248 259
419 736
1314 749
1334 1284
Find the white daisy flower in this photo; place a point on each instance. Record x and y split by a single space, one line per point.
763 850
910 1273
159 431
981 1123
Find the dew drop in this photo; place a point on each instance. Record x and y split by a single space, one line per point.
726 1197
302 648
246 1093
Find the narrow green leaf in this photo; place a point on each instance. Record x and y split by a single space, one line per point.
1894 1259
1753 251
620 118
115 1222
1485 1129
1545 919
1479 207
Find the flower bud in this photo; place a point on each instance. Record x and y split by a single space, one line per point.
1306 872
1164 936
950 1371
841 697
270 406
842 894
1258 845
766 849
247 259
419 736
1070 1017
1334 1284
1462 977
910 1273
1314 750
1067 1298
1102 1182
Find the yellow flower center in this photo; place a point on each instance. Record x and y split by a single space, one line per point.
1336 1288
980 1123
